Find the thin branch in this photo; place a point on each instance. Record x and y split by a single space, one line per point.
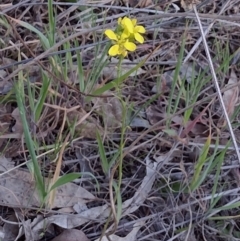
217 85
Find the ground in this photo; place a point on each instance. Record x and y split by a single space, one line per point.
133 142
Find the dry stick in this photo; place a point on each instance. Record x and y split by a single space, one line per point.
158 126
45 68
216 84
57 45
57 171
25 61
12 7
132 10
174 16
205 33
157 14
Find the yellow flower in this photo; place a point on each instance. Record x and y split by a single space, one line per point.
121 44
131 29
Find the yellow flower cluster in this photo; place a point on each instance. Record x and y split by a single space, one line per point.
124 36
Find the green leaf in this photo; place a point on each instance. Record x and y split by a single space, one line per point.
70 177
119 201
170 132
197 178
230 206
40 35
219 161
65 179
18 87
115 82
42 97
173 99
102 154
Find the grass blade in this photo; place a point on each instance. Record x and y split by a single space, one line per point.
102 154
197 179
42 96
29 142
69 178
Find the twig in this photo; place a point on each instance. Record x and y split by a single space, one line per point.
43 67
216 84
205 33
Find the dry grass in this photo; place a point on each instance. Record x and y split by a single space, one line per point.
171 109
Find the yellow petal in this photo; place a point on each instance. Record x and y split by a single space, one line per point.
139 38
125 19
139 29
134 21
111 35
127 24
125 34
124 54
130 46
119 21
114 50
